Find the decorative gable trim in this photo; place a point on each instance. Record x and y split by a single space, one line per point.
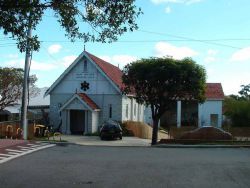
83 54
103 73
76 96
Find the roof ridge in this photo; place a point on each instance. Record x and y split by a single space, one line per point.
102 60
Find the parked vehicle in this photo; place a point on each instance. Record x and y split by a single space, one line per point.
111 130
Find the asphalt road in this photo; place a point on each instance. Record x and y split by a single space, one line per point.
90 166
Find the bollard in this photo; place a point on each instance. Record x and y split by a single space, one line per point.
19 133
57 134
9 131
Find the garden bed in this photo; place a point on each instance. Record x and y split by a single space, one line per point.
204 142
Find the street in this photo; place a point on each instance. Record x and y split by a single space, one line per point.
95 166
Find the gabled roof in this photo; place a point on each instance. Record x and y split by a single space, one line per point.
114 75
88 100
214 91
84 99
111 72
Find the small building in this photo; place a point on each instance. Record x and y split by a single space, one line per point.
192 113
38 107
87 94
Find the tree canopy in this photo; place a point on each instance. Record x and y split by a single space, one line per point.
11 80
245 92
107 18
237 107
159 81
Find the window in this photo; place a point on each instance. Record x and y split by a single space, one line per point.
85 66
135 110
139 110
110 111
126 110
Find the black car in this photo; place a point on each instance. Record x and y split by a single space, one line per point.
111 130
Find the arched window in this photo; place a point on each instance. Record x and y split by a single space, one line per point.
85 66
110 111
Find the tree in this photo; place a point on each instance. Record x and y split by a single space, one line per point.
108 18
245 92
238 111
237 107
157 82
11 86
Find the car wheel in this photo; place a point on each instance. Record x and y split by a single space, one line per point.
102 137
120 137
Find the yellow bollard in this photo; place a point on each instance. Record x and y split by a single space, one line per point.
19 132
57 134
9 131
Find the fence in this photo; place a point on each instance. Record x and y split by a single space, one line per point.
12 129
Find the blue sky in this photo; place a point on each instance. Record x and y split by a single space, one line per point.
215 33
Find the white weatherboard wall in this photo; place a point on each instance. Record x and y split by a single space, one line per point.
126 113
72 81
101 91
135 110
206 109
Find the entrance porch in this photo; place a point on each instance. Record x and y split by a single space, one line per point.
79 115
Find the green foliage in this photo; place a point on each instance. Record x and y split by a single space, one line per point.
159 81
107 18
11 84
238 111
245 92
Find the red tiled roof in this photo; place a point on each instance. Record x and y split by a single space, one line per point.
88 100
113 72
214 91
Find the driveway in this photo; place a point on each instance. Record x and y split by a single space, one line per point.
96 141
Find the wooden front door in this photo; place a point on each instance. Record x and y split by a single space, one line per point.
77 121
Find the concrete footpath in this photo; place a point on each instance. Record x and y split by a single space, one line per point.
135 142
199 146
96 141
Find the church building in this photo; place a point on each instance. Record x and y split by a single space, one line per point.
88 93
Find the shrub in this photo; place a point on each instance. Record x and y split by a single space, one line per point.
238 111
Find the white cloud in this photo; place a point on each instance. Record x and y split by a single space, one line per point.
55 48
211 56
106 58
166 49
12 56
212 52
187 2
167 10
120 60
67 60
241 55
35 65
209 59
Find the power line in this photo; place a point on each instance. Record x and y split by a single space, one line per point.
191 39
49 55
166 40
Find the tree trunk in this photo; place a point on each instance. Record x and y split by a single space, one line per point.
155 131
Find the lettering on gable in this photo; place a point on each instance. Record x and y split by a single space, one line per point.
86 76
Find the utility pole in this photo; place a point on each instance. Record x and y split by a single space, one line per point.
24 123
